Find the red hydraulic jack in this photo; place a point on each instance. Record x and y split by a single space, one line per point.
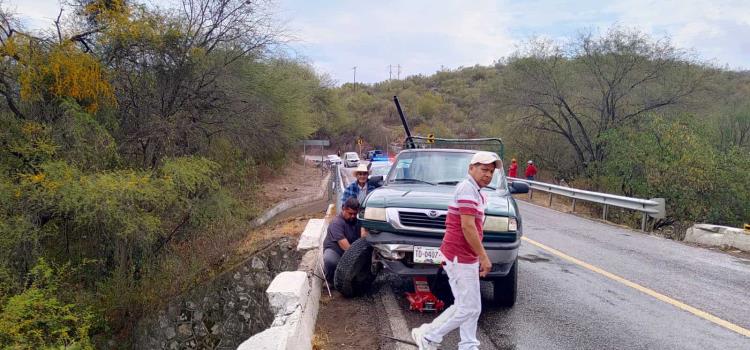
422 299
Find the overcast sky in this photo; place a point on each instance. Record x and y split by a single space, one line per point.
422 36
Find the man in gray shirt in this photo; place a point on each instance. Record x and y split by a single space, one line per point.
342 232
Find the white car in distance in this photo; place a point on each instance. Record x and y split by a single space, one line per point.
332 159
351 159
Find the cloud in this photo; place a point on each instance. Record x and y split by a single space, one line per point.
716 30
421 36
35 15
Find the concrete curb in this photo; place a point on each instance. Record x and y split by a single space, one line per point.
295 297
293 202
718 236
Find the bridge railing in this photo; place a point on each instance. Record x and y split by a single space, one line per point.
653 207
337 186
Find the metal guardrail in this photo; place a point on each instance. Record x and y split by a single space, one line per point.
653 207
337 186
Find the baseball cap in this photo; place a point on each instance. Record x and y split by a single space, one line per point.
486 158
530 162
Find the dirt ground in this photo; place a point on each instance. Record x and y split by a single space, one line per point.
345 324
292 181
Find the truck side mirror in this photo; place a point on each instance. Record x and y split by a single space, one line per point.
519 187
378 179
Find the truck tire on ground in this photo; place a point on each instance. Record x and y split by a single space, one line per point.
505 289
353 275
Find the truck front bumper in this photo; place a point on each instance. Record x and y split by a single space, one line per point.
395 253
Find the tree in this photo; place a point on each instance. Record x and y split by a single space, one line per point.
595 84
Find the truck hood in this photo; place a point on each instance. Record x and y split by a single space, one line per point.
423 196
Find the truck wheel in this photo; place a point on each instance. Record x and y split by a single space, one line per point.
505 289
353 275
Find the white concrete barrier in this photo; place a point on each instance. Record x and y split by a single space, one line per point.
310 237
293 202
718 236
295 297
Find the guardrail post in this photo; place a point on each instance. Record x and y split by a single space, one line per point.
643 222
550 200
604 213
530 192
574 205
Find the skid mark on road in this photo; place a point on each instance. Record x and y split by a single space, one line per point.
532 258
676 303
399 328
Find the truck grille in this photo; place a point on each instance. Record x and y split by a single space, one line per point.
421 220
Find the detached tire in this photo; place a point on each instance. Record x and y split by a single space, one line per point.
353 275
505 289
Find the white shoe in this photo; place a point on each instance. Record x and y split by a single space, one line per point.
422 344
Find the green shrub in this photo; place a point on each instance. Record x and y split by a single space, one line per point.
37 319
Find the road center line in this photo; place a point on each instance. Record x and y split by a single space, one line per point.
695 311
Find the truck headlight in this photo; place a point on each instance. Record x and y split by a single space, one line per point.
512 224
375 214
496 224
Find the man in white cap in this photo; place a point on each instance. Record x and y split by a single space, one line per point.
465 258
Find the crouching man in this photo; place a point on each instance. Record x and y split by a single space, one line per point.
343 230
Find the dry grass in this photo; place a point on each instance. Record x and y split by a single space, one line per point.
320 341
291 227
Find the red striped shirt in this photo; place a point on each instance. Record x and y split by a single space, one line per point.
467 200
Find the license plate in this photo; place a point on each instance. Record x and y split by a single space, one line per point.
427 255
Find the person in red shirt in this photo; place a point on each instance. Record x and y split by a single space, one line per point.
465 259
530 170
513 169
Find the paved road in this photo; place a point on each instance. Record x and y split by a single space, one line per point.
566 305
585 284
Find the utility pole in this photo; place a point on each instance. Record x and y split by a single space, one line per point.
355 78
399 72
390 71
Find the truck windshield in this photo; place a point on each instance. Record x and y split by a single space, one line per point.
442 168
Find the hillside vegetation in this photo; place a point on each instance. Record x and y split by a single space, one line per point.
619 112
132 135
128 133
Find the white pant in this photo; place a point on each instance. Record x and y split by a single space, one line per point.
464 313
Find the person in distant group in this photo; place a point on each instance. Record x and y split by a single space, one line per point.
530 170
513 170
343 230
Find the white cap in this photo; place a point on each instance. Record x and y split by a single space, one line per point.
362 168
483 157
530 162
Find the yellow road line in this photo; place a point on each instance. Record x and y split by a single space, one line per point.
695 311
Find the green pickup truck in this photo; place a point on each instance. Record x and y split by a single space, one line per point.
406 221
